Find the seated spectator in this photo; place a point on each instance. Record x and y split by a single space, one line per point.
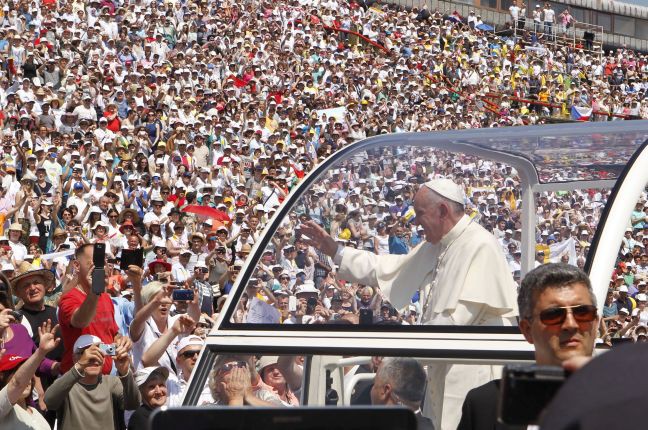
30 287
234 381
401 381
17 381
17 341
151 382
272 376
83 395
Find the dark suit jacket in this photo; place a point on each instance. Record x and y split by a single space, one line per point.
479 411
423 423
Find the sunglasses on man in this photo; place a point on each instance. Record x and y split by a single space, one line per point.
558 315
190 354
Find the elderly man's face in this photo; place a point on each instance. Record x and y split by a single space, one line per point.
428 215
381 390
133 242
556 343
104 202
31 291
273 376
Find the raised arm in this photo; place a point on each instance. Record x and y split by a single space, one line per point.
292 372
318 238
84 314
142 315
57 392
183 325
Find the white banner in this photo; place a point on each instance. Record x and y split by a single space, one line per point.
337 112
566 247
262 313
54 255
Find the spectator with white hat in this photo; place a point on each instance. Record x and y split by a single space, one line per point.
188 349
152 385
623 301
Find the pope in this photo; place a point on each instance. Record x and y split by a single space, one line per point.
460 272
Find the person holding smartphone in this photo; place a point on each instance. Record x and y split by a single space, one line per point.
84 310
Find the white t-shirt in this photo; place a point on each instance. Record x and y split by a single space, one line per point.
176 386
19 251
549 15
515 11
643 316
180 273
150 335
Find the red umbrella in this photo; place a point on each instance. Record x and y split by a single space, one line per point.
207 211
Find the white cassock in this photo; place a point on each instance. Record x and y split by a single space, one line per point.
472 285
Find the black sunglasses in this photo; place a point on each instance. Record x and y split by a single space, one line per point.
557 315
190 354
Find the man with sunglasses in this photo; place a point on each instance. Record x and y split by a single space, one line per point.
558 315
188 348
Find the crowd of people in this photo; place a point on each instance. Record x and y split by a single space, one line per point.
367 203
179 128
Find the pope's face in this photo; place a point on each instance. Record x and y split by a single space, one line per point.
557 343
428 215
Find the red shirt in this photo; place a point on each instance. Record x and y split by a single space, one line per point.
103 325
114 124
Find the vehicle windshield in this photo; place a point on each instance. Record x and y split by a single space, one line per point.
571 157
365 201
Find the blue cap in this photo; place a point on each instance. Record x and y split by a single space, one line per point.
78 186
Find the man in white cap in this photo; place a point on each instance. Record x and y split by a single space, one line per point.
460 273
188 348
83 395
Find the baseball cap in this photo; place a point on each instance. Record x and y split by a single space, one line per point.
146 373
191 340
10 361
84 341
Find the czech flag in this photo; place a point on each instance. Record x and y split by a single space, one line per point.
581 113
